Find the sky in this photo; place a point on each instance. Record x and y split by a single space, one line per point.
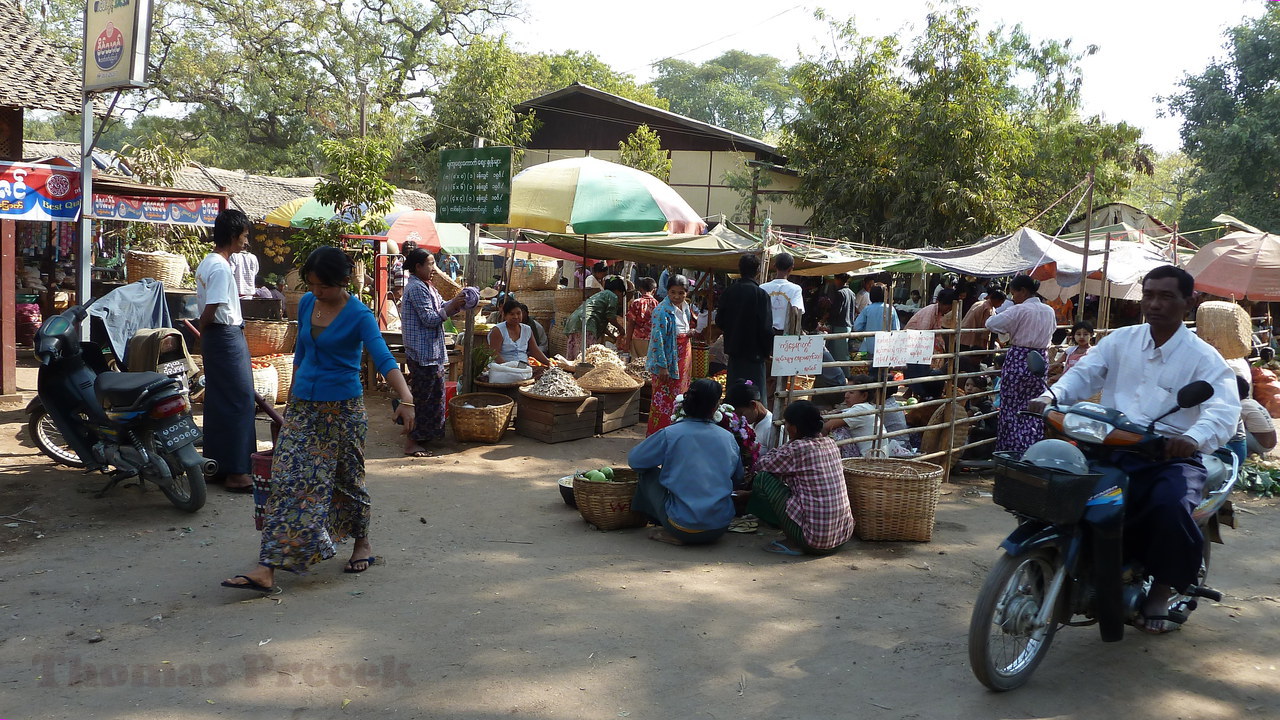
1145 47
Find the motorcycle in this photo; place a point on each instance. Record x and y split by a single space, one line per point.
1065 559
123 424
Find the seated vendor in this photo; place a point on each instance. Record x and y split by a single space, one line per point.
688 471
509 341
801 488
745 399
858 420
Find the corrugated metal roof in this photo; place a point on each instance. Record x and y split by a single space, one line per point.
34 76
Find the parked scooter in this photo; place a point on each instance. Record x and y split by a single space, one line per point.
123 424
1066 557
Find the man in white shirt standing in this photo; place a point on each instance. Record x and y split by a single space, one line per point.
1139 370
1029 325
229 434
783 294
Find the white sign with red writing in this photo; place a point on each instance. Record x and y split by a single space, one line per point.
797 355
903 347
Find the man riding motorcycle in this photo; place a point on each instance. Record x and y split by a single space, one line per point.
1138 370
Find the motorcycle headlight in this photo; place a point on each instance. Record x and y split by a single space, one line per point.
1086 428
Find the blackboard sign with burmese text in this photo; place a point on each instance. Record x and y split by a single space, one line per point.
475 186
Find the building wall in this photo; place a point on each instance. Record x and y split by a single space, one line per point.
699 177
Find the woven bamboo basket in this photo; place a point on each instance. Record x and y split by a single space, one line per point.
607 505
558 342
291 300
447 288
1226 326
893 499
539 302
480 424
162 266
265 380
284 371
567 300
534 275
269 337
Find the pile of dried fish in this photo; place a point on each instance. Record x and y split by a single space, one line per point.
556 383
600 355
637 369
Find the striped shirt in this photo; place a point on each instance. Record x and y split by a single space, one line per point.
421 320
1029 324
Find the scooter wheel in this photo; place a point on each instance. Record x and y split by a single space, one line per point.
1003 649
188 490
44 434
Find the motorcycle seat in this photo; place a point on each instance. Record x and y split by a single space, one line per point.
122 389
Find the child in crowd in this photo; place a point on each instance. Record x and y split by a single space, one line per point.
1082 336
982 429
745 399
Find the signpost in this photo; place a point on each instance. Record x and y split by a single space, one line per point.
903 347
797 355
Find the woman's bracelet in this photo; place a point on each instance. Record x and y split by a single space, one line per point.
405 404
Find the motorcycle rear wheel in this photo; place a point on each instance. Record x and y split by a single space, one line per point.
188 490
45 435
1002 652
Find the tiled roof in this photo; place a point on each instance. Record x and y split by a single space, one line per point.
107 160
35 76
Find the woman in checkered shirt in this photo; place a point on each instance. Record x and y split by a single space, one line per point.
801 488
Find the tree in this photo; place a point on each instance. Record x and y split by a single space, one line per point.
357 188
749 94
1167 190
1230 114
963 133
642 150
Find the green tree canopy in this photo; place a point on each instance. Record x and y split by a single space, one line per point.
961 134
1231 117
642 150
749 94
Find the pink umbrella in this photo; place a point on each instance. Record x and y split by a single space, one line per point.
1239 265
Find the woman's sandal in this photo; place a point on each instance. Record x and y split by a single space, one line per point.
776 547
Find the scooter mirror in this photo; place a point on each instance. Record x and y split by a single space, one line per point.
1038 367
1194 393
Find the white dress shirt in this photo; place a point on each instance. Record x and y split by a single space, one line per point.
1142 381
1029 324
216 285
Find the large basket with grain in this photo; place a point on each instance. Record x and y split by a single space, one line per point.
284 372
269 337
168 268
534 275
608 378
1226 326
484 421
567 300
893 498
607 505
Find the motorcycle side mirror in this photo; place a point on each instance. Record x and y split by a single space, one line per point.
1194 393
1038 367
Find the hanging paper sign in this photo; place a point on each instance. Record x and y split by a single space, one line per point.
797 355
173 211
43 193
903 347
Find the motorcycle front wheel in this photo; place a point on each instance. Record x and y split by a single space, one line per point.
1002 651
45 435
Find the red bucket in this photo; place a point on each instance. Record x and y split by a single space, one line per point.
450 389
261 468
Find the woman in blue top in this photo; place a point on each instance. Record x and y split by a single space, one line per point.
318 497
688 471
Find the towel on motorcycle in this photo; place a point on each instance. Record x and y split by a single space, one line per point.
127 309
1142 381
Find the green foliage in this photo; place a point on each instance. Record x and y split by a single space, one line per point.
153 162
961 134
1230 115
642 150
1260 477
357 188
749 94
1167 190
746 183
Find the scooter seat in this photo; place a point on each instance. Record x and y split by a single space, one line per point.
122 389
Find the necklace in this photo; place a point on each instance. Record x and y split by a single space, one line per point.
323 313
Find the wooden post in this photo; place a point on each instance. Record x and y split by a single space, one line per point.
1084 263
469 325
8 312
955 389
1104 304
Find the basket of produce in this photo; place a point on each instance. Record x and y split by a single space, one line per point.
893 498
556 385
1226 326
479 417
268 337
167 268
609 378
265 380
534 275
604 498
284 372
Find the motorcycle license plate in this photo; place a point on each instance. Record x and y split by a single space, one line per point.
181 431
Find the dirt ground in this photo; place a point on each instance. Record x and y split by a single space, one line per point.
494 599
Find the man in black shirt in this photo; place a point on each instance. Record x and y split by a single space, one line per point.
746 318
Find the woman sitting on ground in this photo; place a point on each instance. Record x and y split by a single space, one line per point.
688 471
510 341
801 488
745 399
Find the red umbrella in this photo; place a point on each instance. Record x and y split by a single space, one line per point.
1239 265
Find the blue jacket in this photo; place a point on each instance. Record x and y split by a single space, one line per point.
327 368
662 339
871 319
700 464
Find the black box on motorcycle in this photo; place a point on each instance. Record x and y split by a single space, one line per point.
1045 494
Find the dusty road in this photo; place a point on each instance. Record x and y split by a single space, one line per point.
496 600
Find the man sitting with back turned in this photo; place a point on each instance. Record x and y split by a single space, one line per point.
1139 370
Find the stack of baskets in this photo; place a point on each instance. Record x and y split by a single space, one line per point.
168 268
271 345
534 275
565 301
892 498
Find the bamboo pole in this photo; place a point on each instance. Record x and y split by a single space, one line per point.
1084 263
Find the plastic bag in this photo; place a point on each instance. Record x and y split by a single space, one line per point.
510 372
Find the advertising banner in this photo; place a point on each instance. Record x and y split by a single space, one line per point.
117 40
44 193
175 211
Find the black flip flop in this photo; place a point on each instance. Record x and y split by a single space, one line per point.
370 562
241 490
249 584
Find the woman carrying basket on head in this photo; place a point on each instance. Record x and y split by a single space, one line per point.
318 496
670 358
